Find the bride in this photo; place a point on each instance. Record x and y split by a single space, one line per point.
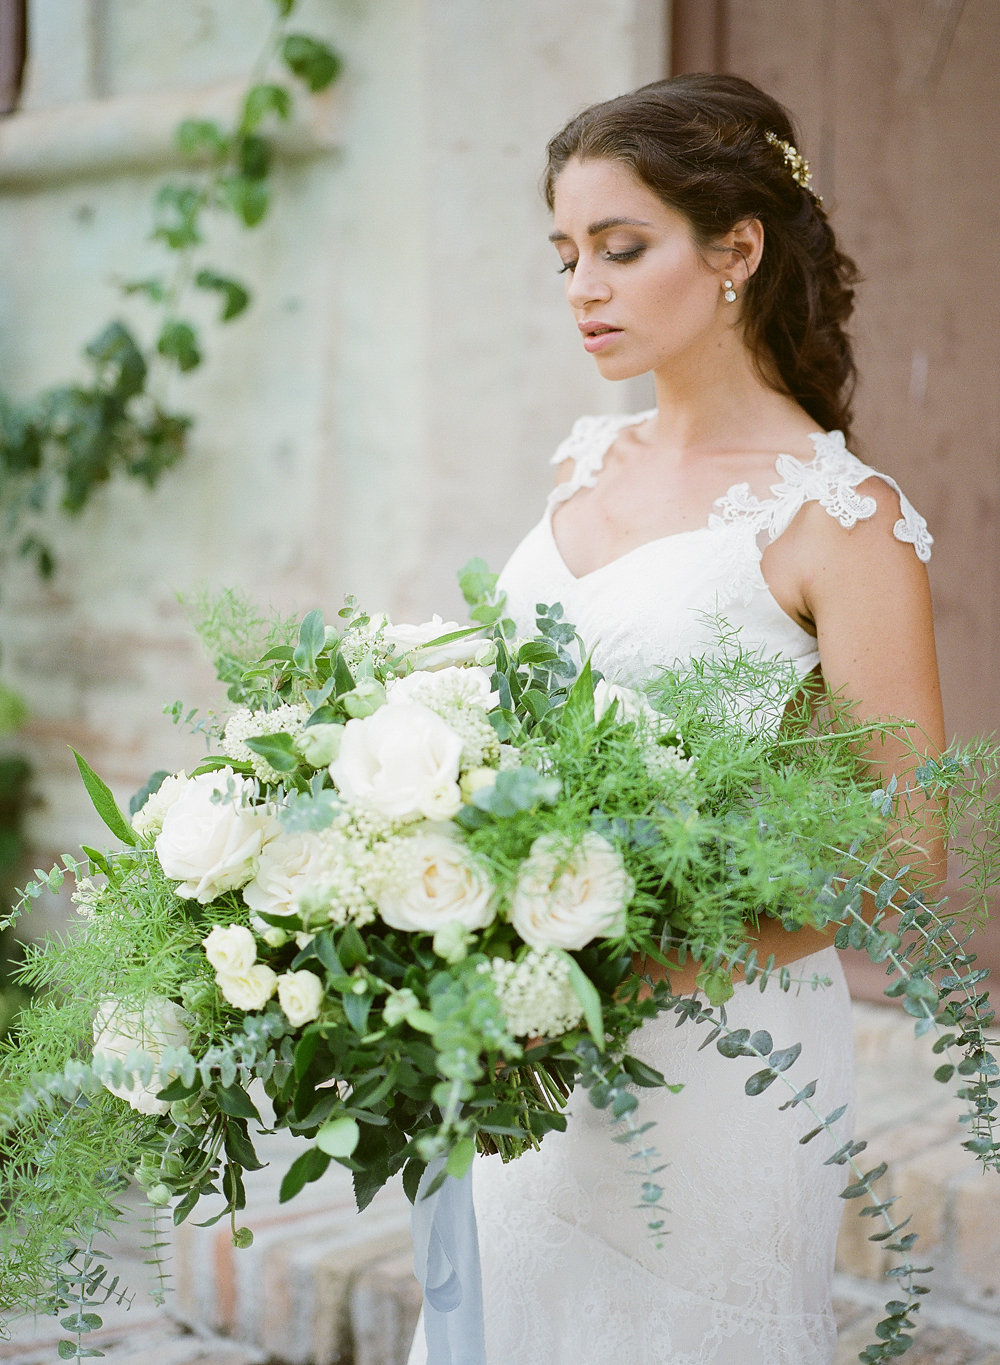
694 248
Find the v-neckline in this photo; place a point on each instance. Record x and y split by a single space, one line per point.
814 436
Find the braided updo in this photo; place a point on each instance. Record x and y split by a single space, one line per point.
700 143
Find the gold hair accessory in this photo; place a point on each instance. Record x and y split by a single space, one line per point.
795 162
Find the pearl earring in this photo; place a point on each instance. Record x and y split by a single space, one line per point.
730 294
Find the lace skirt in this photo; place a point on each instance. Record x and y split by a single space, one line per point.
571 1275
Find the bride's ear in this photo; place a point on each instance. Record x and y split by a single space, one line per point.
742 248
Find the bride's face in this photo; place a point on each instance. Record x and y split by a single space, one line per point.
642 293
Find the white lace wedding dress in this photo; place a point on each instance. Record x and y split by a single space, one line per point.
570 1273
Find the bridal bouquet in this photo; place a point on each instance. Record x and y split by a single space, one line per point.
406 889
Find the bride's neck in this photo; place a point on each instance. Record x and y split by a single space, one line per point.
718 401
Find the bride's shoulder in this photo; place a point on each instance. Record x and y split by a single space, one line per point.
581 452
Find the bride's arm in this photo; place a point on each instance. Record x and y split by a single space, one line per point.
869 598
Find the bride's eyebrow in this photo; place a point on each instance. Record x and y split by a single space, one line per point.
600 226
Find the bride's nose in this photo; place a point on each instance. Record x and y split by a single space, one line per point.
588 284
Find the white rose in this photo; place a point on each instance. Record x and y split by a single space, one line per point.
212 846
148 819
446 686
300 995
288 865
412 639
230 949
249 989
566 896
117 1032
427 880
403 760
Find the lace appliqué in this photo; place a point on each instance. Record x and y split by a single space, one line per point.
830 478
586 445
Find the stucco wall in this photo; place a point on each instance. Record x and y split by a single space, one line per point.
387 407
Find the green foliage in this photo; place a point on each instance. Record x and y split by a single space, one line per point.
721 816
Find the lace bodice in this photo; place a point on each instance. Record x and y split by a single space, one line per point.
655 605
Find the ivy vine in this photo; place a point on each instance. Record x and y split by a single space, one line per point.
57 449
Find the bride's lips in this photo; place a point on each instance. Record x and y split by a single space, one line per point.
597 335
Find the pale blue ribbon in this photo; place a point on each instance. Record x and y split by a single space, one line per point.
446 1262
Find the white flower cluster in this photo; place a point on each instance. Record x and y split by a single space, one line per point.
536 994
244 724
667 760
86 897
361 642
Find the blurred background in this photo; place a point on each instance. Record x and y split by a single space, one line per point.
332 355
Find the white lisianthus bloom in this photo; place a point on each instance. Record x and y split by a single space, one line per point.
411 640
212 846
249 989
426 880
153 1029
567 895
230 949
288 865
300 995
148 819
403 760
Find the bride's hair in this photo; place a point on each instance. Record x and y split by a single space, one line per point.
700 142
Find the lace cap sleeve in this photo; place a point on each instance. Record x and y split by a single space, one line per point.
832 479
586 445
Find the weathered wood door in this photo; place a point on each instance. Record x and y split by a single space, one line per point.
898 105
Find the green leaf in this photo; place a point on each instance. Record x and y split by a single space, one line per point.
120 361
476 582
339 1137
178 342
586 993
759 1081
196 135
153 288
248 198
351 948
104 803
234 1100
460 1158
152 784
412 1174
235 296
262 101
312 638
311 61
278 750
309 1166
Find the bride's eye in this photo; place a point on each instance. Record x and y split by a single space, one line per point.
632 254
566 265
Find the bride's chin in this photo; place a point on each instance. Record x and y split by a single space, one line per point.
617 369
